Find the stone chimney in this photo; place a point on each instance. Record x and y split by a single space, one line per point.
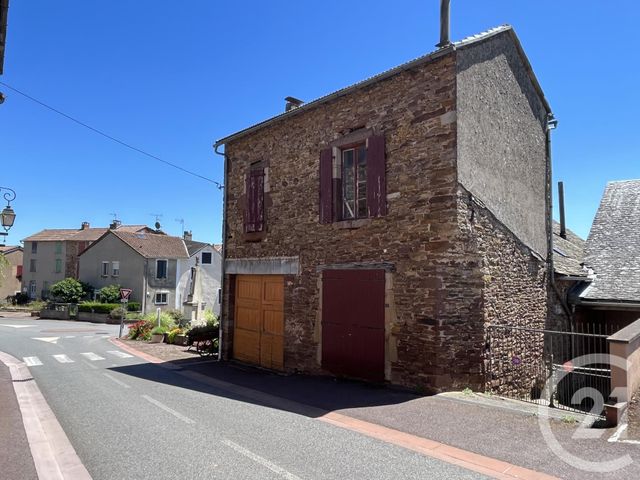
115 224
187 235
84 225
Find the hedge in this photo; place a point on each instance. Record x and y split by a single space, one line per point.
134 306
96 307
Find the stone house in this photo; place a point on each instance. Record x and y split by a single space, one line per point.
51 255
147 263
199 282
375 232
10 275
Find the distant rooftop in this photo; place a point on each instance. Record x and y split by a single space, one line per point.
613 247
153 245
79 234
568 253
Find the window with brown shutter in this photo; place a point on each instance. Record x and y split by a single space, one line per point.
352 180
254 210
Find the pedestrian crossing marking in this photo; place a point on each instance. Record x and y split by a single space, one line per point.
32 361
92 356
62 358
119 354
16 326
47 339
70 336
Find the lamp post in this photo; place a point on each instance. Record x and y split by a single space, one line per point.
7 214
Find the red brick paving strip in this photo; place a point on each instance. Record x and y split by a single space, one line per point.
446 453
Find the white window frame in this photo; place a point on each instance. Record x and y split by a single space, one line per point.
166 270
115 268
166 298
104 272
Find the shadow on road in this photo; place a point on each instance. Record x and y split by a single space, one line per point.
301 394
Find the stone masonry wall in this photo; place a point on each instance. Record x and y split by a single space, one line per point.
434 296
514 293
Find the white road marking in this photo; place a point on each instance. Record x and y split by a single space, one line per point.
114 379
87 336
262 461
119 354
167 409
47 339
32 361
106 336
92 356
16 326
70 336
62 358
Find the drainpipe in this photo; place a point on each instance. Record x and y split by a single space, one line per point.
224 245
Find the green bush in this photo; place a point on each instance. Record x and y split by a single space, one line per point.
134 306
171 337
159 330
211 318
165 320
118 312
36 305
110 294
97 307
68 290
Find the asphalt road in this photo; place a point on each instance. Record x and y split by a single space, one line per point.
128 419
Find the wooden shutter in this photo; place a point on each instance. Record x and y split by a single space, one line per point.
326 193
376 178
254 210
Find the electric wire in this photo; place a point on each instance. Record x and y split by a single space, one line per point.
106 135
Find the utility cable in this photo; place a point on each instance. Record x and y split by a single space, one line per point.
113 139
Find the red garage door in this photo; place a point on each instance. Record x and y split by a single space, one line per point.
353 323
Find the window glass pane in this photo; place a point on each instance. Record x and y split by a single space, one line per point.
105 268
161 270
34 247
58 247
348 184
206 257
362 182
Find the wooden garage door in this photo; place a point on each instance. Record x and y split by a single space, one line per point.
353 323
258 336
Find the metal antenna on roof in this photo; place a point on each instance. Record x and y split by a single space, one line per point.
158 217
115 216
181 222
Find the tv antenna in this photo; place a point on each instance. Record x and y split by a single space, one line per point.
158 217
181 222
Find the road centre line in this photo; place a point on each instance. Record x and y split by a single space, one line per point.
262 461
114 379
167 409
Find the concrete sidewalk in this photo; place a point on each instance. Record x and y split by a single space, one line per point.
16 462
507 431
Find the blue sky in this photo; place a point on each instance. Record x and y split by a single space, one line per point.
172 77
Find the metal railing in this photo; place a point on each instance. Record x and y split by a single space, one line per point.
561 369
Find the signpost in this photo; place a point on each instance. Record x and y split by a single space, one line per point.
124 298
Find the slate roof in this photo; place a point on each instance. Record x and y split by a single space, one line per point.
396 70
568 253
613 247
153 245
193 247
77 234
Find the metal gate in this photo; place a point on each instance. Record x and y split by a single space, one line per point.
562 369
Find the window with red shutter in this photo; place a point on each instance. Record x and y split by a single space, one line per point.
359 191
254 210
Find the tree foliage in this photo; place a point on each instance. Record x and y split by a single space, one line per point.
68 290
4 263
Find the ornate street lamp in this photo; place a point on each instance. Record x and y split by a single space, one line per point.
8 215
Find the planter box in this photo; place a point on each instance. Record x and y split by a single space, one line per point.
55 314
157 338
180 340
93 317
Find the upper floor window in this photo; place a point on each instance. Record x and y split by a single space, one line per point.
161 268
58 265
353 179
34 247
58 248
105 269
254 209
115 269
206 257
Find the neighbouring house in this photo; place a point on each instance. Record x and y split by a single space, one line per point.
10 275
612 253
377 231
147 263
52 255
199 282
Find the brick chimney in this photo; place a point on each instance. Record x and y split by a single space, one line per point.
187 235
84 225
